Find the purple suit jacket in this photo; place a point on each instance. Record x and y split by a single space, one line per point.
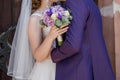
83 55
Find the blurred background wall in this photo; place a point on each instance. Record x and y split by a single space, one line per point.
110 10
9 12
106 8
117 36
10 9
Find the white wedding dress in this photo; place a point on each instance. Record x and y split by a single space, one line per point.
44 70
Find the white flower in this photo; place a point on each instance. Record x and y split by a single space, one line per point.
66 13
53 16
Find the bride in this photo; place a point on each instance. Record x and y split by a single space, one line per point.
30 54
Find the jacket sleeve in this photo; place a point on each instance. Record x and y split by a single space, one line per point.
74 35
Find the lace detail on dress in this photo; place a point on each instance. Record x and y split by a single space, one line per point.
37 13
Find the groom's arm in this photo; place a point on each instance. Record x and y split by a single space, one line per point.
74 36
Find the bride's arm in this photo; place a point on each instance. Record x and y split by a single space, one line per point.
41 49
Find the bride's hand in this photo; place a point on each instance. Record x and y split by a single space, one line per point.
54 32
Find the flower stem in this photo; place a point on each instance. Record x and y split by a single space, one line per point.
60 40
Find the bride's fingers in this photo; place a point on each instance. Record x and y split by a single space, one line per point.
55 28
61 31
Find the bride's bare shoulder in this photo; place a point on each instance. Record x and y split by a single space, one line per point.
32 21
33 24
35 17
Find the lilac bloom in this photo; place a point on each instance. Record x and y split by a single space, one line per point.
49 12
60 9
46 19
54 10
59 16
51 23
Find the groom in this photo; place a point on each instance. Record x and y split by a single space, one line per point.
83 55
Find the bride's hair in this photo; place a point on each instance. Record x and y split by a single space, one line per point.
36 4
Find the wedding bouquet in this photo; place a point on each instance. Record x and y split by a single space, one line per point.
56 16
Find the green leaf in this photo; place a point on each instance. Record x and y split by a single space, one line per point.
58 23
65 20
41 22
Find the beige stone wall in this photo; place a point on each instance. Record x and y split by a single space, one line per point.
117 44
117 37
106 9
110 10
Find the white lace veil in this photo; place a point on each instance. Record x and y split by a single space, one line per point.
21 58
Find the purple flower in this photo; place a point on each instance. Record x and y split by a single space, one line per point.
53 9
49 12
60 9
59 16
51 23
48 21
